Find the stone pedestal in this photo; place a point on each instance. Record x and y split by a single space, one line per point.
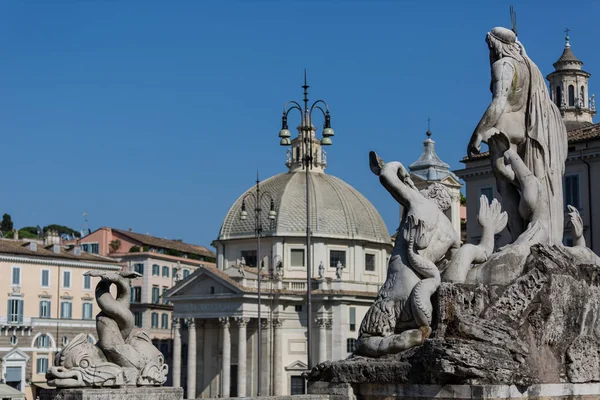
132 393
374 391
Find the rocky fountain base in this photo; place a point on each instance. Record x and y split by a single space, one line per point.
536 337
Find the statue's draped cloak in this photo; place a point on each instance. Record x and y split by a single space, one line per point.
546 148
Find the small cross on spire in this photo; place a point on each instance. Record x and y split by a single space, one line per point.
567 30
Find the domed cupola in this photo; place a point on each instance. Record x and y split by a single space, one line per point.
569 89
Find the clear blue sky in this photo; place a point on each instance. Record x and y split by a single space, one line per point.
155 115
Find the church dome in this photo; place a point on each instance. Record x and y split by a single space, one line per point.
338 211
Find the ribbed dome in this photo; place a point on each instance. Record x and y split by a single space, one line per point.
337 210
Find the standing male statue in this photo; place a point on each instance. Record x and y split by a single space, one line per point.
528 123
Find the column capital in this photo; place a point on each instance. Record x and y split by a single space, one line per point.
277 323
224 322
176 323
328 323
191 322
241 321
321 322
264 323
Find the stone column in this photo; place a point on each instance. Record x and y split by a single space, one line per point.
242 354
226 358
191 359
177 353
277 358
322 324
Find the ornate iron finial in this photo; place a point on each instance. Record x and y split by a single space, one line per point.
567 30
305 87
513 20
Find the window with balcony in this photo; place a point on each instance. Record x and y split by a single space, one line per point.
15 311
136 294
165 272
297 257
335 256
154 320
369 262
66 280
41 365
45 278
165 321
45 309
86 313
155 270
66 309
155 294
16 276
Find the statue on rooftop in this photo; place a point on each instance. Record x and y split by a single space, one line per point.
120 357
321 270
523 114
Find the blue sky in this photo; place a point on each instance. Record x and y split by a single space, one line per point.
155 115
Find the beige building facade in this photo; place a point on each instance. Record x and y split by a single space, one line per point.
46 301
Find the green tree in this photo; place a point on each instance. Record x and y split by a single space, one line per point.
6 225
463 199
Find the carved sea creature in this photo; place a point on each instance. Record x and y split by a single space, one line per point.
120 357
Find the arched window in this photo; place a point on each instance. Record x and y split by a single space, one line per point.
43 342
558 96
571 96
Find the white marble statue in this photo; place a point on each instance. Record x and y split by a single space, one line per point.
338 270
321 270
523 114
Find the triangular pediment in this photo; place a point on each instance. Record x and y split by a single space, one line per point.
204 282
297 366
450 181
15 355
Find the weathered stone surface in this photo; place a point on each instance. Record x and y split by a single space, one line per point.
540 328
131 393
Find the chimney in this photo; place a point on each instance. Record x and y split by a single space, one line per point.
32 246
77 250
56 248
16 234
51 237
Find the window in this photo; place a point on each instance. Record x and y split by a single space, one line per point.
16 275
335 256
66 308
155 270
155 294
297 385
45 308
14 340
165 272
43 341
298 308
164 295
137 316
15 311
297 257
87 282
165 321
571 188
65 340
94 248
350 345
174 272
136 294
212 290
571 95
487 192
558 96
186 273
249 257
369 262
154 320
139 268
45 279
87 311
352 319
85 248
41 365
66 282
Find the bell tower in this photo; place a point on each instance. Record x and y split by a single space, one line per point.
569 89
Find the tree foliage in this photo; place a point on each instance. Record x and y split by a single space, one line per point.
6 225
61 229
